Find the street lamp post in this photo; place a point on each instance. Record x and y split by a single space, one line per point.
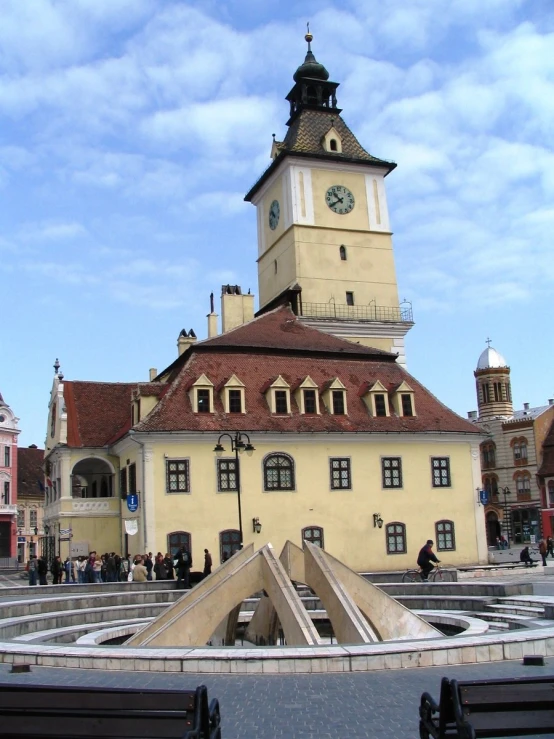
507 521
240 442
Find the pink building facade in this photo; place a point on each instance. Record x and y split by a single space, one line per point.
8 481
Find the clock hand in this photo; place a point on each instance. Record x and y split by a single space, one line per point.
332 205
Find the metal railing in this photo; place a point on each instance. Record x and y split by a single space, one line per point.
370 312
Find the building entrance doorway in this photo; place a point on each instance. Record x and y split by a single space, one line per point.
5 538
493 528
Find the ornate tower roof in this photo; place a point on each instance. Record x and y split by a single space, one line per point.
313 115
494 393
490 358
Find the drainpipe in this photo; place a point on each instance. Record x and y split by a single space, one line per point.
143 467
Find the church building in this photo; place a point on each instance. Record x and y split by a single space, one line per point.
298 422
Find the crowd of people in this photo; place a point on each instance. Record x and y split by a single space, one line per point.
111 567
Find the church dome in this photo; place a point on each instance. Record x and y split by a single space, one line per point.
491 358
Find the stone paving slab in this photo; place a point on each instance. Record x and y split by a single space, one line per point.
339 706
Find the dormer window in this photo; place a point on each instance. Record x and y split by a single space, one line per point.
201 395
339 406
403 400
407 408
307 397
335 398
281 401
332 141
377 400
233 396
203 400
278 396
333 145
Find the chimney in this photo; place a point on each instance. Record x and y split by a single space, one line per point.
152 372
212 319
185 340
526 407
236 308
472 415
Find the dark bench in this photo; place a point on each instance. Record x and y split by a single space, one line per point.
499 566
489 708
107 713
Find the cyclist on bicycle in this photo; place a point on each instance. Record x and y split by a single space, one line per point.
425 560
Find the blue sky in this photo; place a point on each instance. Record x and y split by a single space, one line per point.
131 130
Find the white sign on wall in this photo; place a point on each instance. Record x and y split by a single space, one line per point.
78 549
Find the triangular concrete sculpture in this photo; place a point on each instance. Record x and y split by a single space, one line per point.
359 612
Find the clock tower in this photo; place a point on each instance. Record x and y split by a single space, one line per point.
324 239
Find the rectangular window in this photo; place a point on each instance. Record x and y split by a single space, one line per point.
227 478
391 468
177 471
380 405
21 518
340 474
33 518
310 405
6 499
441 472
349 298
281 401
132 478
6 456
235 401
203 401
444 531
407 409
338 402
396 538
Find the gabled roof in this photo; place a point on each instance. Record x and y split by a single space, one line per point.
97 411
30 476
281 331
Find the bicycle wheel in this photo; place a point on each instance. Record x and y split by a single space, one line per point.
411 576
443 576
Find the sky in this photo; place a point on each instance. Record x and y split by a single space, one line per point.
130 131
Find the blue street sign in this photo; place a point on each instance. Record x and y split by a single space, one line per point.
21 540
132 502
484 496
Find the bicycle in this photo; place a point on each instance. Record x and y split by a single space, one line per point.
437 574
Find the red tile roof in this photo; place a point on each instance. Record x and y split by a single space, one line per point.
98 411
30 476
276 343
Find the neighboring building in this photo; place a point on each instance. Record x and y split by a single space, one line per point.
511 456
8 480
545 478
347 449
30 500
346 442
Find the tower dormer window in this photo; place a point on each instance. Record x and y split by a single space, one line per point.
333 145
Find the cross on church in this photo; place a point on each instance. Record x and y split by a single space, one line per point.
489 342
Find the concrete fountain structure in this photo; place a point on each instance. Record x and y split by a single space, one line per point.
383 627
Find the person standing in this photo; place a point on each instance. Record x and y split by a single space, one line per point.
168 562
149 565
207 563
543 549
139 571
550 546
32 569
56 568
184 563
160 569
42 569
425 558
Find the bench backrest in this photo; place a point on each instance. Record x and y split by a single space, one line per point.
38 711
518 706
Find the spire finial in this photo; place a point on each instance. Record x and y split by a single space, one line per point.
488 342
308 36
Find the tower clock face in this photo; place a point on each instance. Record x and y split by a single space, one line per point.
274 213
340 199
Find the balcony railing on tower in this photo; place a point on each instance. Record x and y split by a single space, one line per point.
371 312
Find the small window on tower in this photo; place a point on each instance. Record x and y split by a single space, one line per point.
342 252
349 298
333 145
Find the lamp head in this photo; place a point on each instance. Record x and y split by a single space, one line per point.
219 449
